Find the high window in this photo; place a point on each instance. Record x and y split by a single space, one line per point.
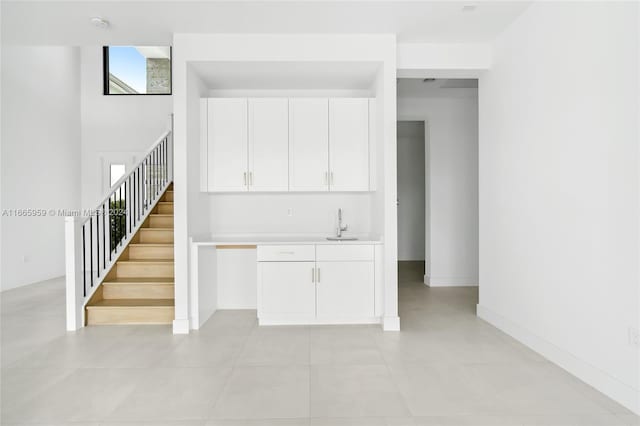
137 70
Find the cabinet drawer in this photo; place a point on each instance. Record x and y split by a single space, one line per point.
283 253
340 252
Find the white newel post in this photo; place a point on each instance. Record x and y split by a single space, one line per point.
74 271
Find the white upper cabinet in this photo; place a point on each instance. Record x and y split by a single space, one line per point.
308 144
227 144
279 144
349 144
268 144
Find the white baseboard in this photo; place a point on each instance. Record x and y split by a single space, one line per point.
391 323
180 326
602 381
451 281
317 321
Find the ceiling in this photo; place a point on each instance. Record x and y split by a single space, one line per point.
149 22
287 75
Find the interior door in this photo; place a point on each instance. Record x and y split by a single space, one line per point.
287 290
268 144
227 144
345 290
308 144
349 144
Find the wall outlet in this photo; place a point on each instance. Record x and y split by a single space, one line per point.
634 336
25 259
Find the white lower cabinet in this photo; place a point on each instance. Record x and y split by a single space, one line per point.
286 290
325 285
345 290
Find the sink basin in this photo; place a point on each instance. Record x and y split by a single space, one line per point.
342 238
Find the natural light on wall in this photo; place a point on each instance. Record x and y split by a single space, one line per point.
137 70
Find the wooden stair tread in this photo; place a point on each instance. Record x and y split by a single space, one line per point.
162 214
133 303
125 281
156 229
146 261
151 245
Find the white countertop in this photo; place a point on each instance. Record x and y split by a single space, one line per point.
214 240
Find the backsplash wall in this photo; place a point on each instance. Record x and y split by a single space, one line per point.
311 213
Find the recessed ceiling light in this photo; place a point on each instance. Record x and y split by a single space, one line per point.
99 22
469 7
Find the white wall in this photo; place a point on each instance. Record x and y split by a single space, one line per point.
411 190
114 128
40 158
452 126
559 189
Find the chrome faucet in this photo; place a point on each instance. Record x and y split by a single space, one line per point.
341 228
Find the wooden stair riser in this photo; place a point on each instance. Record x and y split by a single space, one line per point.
150 252
164 208
156 221
97 315
133 269
155 235
168 196
138 291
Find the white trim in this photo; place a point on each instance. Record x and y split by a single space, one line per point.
317 321
391 323
180 326
451 281
602 381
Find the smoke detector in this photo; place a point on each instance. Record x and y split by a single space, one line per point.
99 22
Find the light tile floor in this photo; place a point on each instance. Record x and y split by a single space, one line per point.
446 367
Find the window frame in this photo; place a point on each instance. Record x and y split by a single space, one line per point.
105 76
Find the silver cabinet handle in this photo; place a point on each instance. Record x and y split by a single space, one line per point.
331 178
326 178
251 178
245 178
318 280
313 275
287 252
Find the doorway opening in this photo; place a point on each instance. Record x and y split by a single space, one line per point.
412 207
437 189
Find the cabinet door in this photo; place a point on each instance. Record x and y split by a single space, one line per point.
268 144
286 290
308 144
349 144
345 290
227 144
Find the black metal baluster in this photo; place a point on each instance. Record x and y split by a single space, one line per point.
164 162
97 245
104 240
127 201
91 248
120 214
133 200
84 265
155 172
111 199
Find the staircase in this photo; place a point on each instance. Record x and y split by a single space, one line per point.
139 287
